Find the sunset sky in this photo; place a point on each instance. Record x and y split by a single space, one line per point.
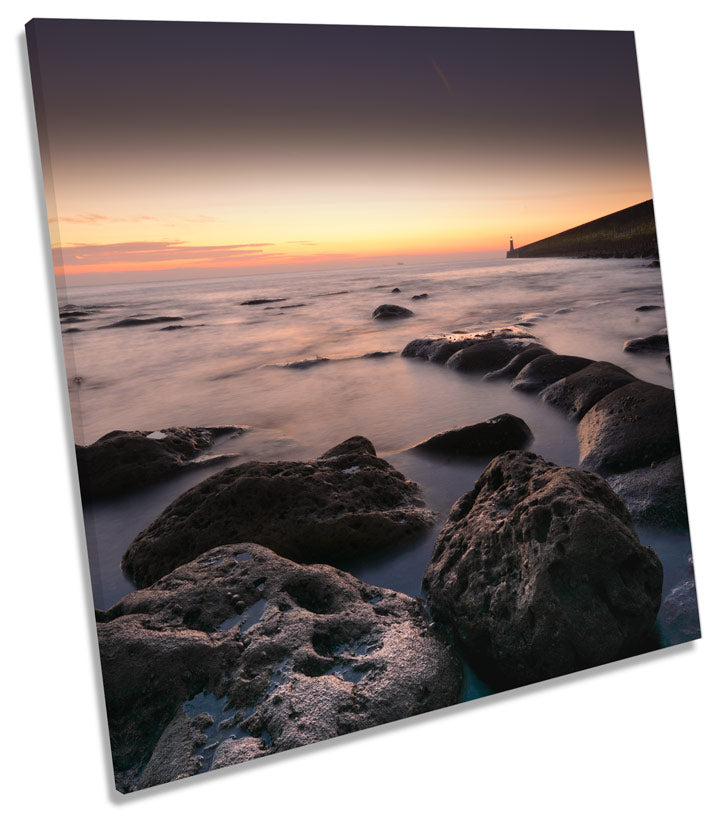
202 148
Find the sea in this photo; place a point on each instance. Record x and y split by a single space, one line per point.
226 362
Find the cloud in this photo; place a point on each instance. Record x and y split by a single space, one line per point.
136 253
301 242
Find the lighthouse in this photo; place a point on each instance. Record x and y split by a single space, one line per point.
512 247
512 253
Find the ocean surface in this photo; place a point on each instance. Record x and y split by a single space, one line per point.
224 363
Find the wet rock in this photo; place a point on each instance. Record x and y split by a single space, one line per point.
123 461
420 296
180 327
513 367
539 572
577 393
547 369
655 494
441 348
253 302
139 322
346 503
329 655
306 363
561 311
378 354
657 343
646 308
391 311
634 426
489 437
395 290
679 612
73 330
490 354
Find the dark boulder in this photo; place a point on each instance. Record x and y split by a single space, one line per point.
547 369
347 503
242 653
538 572
489 437
395 290
657 343
122 461
486 355
647 308
577 393
655 494
436 349
634 426
513 367
391 311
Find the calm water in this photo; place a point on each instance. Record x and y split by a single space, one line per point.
225 365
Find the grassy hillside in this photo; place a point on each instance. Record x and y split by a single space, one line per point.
625 233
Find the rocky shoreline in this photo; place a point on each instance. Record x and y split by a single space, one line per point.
244 639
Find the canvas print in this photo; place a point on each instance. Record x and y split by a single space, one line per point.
368 369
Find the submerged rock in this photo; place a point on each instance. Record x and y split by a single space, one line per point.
513 367
646 308
538 572
346 503
395 290
655 494
657 343
634 426
391 311
328 655
139 322
253 302
420 296
577 393
547 369
489 437
122 461
306 363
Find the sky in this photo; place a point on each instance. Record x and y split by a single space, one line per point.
180 149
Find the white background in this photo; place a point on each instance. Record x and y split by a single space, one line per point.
635 739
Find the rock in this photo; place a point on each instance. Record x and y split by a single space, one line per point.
490 437
395 290
253 302
73 330
654 495
679 612
306 363
420 296
378 354
441 348
490 354
327 655
646 308
180 327
123 461
347 503
513 367
547 369
538 572
634 426
654 263
561 311
657 343
436 349
139 322
577 393
391 311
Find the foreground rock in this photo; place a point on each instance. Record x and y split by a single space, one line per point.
391 311
242 653
441 348
539 572
547 369
657 343
632 427
489 437
513 367
487 355
346 503
122 461
654 495
577 393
